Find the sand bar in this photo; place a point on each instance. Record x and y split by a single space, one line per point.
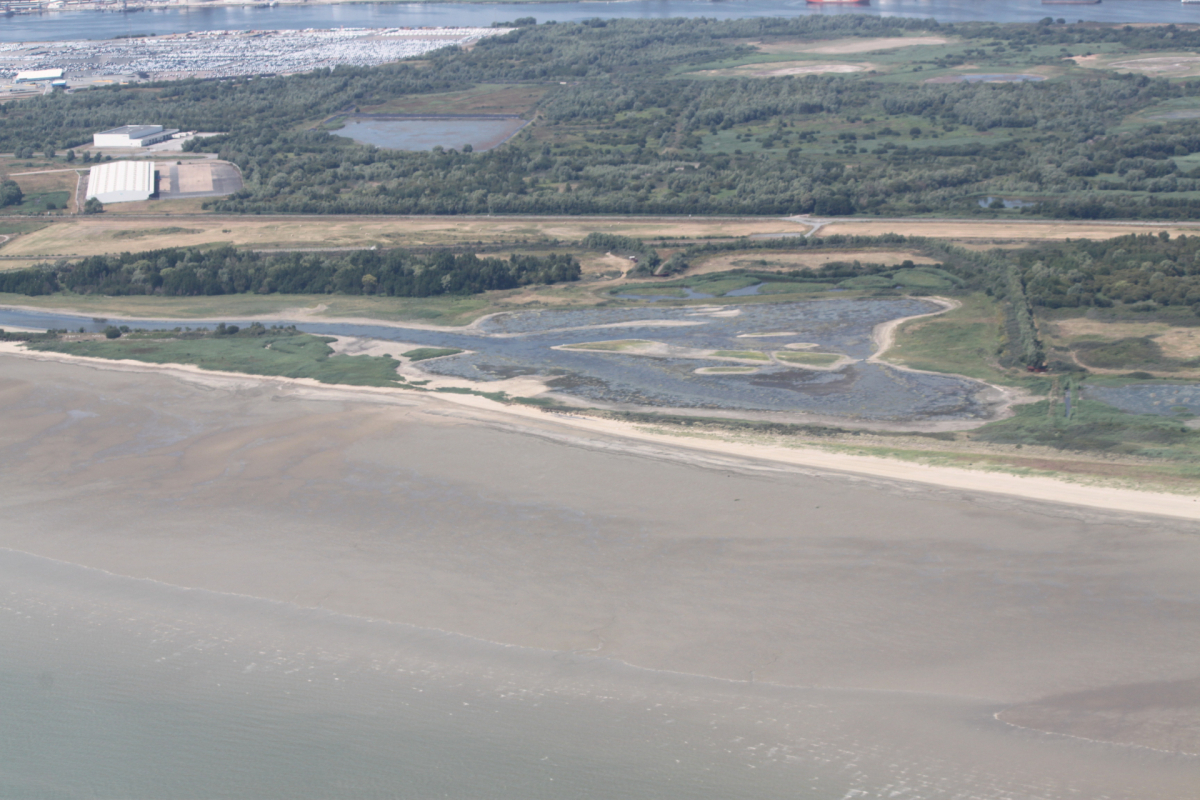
1037 488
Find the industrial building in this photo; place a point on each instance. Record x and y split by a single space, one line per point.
121 181
34 76
133 136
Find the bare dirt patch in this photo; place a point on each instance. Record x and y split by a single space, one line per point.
604 264
196 179
847 46
777 69
1173 66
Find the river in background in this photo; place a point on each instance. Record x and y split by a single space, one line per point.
58 26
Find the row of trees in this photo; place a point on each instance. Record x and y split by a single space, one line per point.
226 270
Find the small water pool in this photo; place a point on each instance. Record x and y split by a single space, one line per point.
426 133
1007 201
1151 398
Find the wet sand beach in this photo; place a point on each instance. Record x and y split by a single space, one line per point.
870 635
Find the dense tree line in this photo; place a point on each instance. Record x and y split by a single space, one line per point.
1143 272
620 131
226 270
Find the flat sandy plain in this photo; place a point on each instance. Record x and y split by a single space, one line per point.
115 234
918 613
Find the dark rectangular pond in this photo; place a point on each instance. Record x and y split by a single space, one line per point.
426 133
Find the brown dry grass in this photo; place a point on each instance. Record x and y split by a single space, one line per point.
487 99
801 260
846 46
11 264
981 247
997 230
604 264
95 235
47 182
1181 343
187 206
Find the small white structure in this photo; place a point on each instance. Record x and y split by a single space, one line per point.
33 76
133 136
121 181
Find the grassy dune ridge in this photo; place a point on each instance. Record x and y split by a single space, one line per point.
284 353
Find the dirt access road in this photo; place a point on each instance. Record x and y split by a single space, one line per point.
993 229
104 234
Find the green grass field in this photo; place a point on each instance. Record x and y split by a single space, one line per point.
1095 426
426 353
749 355
962 341
40 203
809 359
10 226
443 310
616 346
288 355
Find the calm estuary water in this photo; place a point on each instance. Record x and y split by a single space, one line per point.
527 343
99 25
121 688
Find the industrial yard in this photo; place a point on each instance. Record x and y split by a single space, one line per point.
224 54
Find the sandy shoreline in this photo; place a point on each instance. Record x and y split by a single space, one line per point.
759 566
286 315
687 447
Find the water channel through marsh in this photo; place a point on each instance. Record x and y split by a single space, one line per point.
762 336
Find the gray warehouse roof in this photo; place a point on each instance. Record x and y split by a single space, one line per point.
135 131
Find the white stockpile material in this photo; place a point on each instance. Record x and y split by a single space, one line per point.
121 181
224 54
39 75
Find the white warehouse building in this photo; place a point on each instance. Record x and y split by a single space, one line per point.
133 136
121 181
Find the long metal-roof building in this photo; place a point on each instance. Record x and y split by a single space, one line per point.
133 136
121 181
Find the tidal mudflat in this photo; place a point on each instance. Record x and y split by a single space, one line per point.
218 586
